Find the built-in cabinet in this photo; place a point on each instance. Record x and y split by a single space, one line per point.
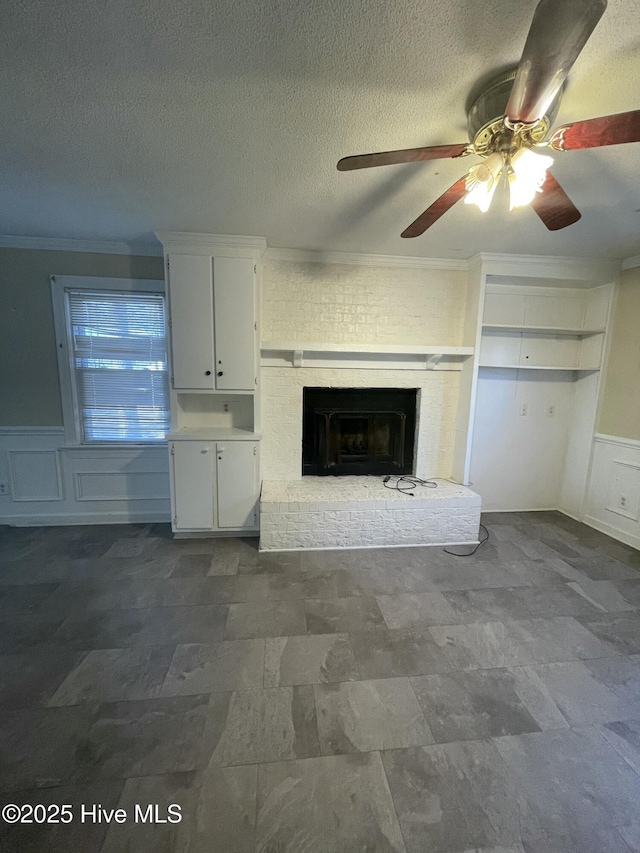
213 316
212 310
541 343
215 484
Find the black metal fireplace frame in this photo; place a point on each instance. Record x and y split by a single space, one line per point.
325 410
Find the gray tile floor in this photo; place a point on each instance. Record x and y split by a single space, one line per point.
328 702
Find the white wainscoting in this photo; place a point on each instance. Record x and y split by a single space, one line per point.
613 499
44 482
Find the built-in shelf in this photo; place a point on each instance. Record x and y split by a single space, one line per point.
375 356
213 434
540 367
543 330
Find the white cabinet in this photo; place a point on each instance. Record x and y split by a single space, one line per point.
237 482
235 338
191 322
192 477
213 284
214 485
212 309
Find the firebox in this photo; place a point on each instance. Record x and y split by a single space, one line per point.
358 430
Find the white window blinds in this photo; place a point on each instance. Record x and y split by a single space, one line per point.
119 365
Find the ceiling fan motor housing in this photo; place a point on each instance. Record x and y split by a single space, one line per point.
485 118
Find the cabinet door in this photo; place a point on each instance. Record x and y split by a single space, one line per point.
234 319
193 475
238 484
191 307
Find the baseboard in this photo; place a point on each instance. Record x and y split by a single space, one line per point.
524 509
220 534
610 530
570 514
474 542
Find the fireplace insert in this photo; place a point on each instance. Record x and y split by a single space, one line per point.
358 430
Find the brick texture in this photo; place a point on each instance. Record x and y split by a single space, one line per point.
341 303
352 512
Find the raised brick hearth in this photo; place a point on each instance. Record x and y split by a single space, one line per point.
359 512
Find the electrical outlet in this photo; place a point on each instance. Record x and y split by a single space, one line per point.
551 411
226 407
622 502
3 488
524 408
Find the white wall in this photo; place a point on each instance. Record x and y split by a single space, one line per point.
517 460
43 482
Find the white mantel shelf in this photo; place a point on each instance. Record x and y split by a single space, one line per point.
367 356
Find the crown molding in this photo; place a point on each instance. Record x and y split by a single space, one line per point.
548 266
184 242
63 244
631 263
587 269
366 260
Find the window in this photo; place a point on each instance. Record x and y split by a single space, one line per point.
113 360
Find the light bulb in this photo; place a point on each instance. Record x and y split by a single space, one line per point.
526 176
482 181
481 194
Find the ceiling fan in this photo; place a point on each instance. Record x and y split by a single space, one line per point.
509 125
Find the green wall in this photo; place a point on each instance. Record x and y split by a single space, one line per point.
620 410
29 389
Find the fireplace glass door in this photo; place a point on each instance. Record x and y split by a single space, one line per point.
362 433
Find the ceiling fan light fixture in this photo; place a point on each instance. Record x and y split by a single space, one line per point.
482 181
527 173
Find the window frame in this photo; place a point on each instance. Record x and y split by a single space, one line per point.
64 347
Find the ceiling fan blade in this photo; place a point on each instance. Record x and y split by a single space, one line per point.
554 206
407 155
597 132
437 209
559 31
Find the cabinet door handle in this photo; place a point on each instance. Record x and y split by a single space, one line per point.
220 373
207 373
205 450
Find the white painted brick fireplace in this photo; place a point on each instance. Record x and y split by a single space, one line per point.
387 307
282 414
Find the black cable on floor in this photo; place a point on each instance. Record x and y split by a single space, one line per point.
471 553
404 484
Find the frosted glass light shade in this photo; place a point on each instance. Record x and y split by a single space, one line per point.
526 176
483 180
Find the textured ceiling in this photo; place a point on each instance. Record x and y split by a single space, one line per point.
122 117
